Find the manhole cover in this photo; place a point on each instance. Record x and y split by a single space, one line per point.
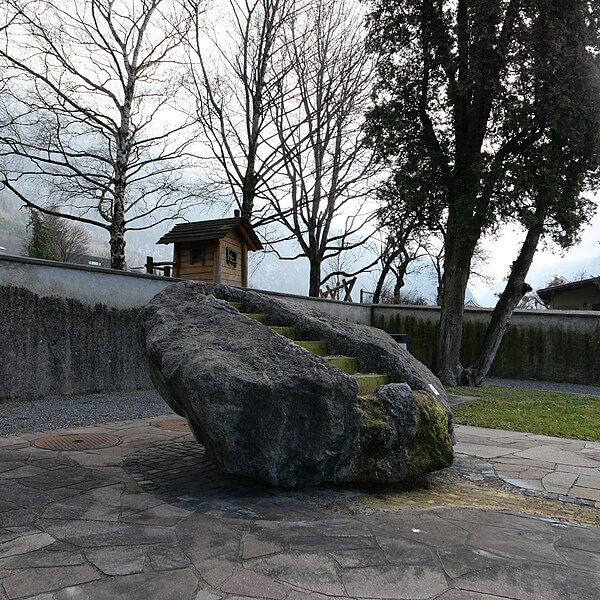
77 441
172 424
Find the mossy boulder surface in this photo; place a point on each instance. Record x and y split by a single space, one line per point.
267 408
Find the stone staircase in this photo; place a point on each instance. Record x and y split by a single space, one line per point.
367 382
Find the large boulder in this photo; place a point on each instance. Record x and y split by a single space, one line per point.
265 408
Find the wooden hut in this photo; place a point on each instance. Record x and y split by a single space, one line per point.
215 251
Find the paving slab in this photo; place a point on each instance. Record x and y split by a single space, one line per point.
179 585
254 585
417 582
564 468
533 582
25 544
154 519
585 493
28 582
559 482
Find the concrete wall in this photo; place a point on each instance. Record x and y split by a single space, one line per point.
355 313
67 329
122 290
549 345
55 346
89 285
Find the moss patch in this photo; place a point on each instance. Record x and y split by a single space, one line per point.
376 430
316 347
431 448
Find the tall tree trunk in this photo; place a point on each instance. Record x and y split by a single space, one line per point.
514 290
397 287
400 275
314 284
117 226
460 245
117 247
438 293
448 365
248 190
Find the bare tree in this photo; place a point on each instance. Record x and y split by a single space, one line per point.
405 227
399 258
70 241
318 118
54 238
87 112
235 70
411 297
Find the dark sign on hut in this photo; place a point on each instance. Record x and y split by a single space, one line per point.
214 251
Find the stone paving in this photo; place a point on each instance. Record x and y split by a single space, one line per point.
567 469
150 518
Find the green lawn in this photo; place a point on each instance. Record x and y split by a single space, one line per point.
547 413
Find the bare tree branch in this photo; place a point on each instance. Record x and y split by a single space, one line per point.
88 113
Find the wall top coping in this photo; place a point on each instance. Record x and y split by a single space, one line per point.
26 260
62 265
485 311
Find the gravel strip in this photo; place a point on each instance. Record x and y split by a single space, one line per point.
550 386
62 412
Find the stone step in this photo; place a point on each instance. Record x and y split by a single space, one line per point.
288 332
347 364
260 317
319 348
369 382
236 305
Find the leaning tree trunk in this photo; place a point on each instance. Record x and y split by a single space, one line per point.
381 282
514 290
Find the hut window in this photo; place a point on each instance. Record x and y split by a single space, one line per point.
231 256
198 255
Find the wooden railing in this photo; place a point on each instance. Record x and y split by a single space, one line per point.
334 292
152 266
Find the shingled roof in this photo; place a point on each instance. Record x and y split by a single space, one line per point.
203 231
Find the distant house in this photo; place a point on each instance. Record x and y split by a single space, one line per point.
472 304
578 295
215 251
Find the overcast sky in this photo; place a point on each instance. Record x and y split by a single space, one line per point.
547 262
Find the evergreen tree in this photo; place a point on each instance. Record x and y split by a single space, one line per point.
40 244
490 109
